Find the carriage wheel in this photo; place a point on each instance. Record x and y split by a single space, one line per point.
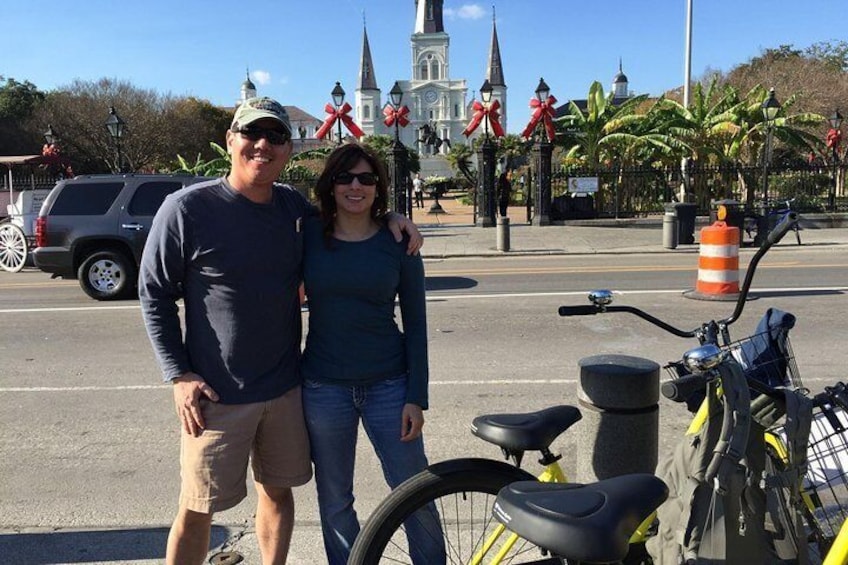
13 247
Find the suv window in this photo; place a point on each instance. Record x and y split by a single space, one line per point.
149 197
86 199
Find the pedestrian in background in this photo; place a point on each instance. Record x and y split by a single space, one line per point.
504 193
418 190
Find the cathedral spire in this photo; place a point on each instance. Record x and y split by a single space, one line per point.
367 80
496 76
428 16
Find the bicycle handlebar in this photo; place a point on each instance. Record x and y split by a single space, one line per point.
682 388
706 331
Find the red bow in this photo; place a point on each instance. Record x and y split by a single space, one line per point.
399 115
543 111
834 138
340 114
490 112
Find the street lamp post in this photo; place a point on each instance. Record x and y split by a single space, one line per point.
401 201
486 184
49 136
542 152
770 108
338 94
116 127
834 138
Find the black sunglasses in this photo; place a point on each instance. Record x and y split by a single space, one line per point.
365 179
274 136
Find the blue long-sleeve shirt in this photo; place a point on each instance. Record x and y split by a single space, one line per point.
236 264
353 336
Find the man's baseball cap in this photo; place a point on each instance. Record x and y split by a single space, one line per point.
254 109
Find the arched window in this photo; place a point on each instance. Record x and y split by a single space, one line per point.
366 112
423 71
434 70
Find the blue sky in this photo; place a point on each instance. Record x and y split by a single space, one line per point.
297 49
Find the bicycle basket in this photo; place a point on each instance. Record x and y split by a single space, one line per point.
825 489
765 357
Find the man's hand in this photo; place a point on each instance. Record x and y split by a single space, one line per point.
399 223
187 392
412 422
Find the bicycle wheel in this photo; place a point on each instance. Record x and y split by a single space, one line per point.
452 503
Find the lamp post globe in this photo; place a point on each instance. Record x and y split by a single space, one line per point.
117 128
338 95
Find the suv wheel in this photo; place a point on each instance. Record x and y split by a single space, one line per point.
107 275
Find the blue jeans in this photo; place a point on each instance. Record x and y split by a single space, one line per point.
332 418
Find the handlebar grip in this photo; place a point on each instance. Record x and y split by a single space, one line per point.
586 310
782 228
679 390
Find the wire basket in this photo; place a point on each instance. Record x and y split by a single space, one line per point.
825 488
766 357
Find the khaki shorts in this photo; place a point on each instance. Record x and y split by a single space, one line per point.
272 435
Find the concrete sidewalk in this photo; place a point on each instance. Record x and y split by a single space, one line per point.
453 234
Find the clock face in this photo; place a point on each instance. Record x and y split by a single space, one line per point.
430 96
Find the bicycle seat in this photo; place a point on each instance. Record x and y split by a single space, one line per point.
532 431
591 523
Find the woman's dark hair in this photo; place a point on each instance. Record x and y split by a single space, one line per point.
341 160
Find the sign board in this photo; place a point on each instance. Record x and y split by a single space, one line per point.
582 184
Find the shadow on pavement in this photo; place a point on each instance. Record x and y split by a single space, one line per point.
779 293
448 283
89 546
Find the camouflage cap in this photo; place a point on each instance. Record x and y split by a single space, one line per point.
254 109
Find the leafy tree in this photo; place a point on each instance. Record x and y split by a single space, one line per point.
157 126
18 101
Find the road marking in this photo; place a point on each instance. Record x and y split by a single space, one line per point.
443 297
478 382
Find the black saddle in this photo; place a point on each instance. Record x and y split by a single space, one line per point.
533 431
591 523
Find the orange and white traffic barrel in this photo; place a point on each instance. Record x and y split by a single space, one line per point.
718 264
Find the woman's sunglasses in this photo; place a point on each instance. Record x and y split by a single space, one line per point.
274 137
365 179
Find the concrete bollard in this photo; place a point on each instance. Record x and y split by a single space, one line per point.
670 230
503 233
619 433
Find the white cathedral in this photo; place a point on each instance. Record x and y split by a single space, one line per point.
435 99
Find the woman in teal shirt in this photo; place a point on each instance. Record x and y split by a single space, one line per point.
358 365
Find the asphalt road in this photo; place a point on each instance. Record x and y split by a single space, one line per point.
89 440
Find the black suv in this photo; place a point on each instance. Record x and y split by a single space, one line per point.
93 228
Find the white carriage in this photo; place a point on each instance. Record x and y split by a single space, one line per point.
19 207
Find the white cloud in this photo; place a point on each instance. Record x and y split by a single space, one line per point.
466 12
261 77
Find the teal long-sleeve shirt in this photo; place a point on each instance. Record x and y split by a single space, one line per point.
353 337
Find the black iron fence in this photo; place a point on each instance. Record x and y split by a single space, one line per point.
629 192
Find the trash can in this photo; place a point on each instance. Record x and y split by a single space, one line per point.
670 229
685 215
735 214
685 222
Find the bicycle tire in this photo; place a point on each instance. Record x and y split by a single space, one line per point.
455 481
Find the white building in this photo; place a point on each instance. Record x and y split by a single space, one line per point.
435 99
